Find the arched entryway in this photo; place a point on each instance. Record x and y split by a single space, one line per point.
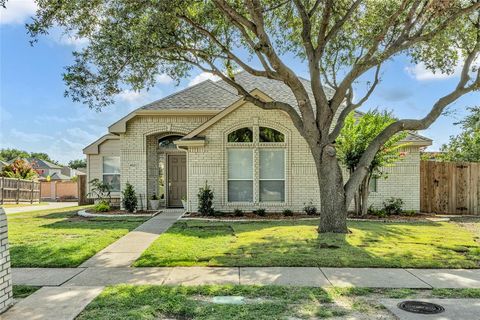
166 169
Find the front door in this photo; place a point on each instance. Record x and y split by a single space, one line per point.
177 179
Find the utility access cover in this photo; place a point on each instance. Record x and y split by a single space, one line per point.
421 307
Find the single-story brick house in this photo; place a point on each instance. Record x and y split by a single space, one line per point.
252 158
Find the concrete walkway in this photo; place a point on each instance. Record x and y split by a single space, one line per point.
59 299
302 276
48 206
123 252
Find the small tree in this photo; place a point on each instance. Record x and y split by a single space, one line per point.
466 145
205 200
354 139
78 163
129 198
19 169
100 190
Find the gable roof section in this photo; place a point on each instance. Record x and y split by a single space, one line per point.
209 97
93 148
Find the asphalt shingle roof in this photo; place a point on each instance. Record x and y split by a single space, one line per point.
218 95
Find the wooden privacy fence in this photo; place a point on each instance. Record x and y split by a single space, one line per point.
58 190
18 190
450 187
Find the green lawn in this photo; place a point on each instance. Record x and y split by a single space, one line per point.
297 243
60 238
268 302
22 291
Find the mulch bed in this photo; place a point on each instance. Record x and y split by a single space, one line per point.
251 216
298 216
419 216
121 212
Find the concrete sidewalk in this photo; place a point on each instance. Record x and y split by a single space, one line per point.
302 276
123 252
48 206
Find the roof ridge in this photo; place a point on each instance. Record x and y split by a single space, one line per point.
176 93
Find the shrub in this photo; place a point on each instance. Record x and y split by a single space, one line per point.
129 199
409 213
19 169
310 209
154 197
287 213
260 212
205 200
100 190
102 206
238 213
393 206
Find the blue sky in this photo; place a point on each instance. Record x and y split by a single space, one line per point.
35 116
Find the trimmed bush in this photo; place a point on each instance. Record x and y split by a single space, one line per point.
287 213
310 209
393 206
129 199
260 212
102 206
205 200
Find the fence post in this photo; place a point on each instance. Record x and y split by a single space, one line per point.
31 192
18 191
1 189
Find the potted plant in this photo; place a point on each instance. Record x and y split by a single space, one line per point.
184 202
162 201
154 202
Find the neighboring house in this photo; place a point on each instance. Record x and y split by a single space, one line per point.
252 158
70 172
44 168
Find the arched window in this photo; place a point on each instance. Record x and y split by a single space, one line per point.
270 135
241 135
256 171
167 142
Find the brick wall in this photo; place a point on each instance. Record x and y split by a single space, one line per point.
210 163
138 149
5 270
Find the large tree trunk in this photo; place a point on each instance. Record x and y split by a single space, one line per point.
333 208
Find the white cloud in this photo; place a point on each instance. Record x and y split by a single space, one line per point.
30 137
130 95
421 73
17 11
202 77
164 79
81 135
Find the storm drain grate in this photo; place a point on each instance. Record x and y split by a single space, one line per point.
421 307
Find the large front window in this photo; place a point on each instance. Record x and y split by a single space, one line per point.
256 165
111 172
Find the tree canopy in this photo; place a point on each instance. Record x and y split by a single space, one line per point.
355 137
8 154
466 145
343 44
77 163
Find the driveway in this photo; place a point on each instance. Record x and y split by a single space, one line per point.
48 206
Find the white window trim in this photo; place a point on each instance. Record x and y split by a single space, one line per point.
256 146
112 173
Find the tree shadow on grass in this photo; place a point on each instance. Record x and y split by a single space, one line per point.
371 244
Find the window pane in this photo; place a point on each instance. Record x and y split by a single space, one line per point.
241 135
240 191
272 191
167 142
272 164
113 180
240 164
111 164
271 135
